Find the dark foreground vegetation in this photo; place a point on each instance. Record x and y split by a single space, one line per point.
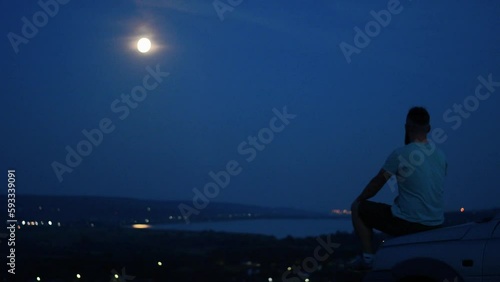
123 254
86 241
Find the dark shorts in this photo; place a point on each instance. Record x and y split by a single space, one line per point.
379 216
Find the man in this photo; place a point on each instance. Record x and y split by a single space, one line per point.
419 168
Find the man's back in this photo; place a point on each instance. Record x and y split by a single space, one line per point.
420 169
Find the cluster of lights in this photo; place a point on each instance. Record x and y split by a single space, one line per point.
36 223
270 279
146 220
338 211
79 276
173 217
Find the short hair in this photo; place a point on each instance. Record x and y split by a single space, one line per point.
419 116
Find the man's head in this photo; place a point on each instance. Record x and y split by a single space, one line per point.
417 124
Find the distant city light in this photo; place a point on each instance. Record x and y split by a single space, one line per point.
146 220
59 224
36 223
307 280
159 263
38 279
270 279
148 208
50 222
116 276
23 222
39 207
289 268
141 226
78 276
462 209
339 211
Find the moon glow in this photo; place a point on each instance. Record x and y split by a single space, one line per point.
144 45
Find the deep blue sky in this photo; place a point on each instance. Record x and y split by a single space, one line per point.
225 79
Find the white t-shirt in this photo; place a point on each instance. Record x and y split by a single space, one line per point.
420 169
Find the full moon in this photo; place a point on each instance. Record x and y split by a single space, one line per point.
143 45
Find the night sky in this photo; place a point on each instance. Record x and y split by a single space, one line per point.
227 73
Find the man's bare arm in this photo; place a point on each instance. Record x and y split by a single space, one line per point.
374 185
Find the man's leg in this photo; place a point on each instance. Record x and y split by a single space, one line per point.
366 216
364 232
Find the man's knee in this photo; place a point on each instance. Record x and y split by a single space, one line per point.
361 204
355 208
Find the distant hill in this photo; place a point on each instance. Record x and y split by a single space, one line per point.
112 210
85 210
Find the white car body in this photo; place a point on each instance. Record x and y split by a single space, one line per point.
468 252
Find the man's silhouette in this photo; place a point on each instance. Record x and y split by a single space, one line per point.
419 168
